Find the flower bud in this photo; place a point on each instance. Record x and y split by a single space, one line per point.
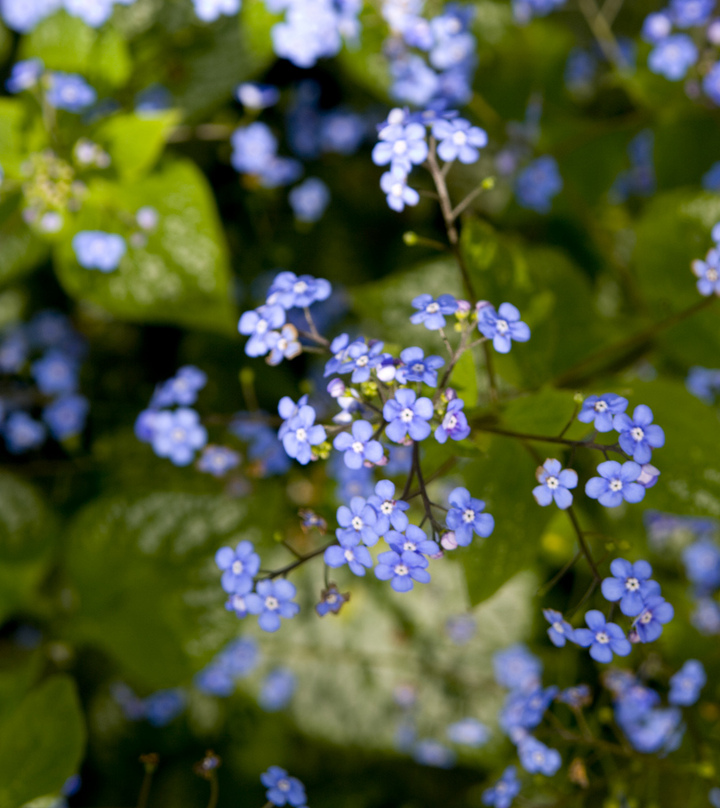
448 540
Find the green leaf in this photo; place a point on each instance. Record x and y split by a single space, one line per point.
365 61
464 379
545 412
504 478
20 249
110 60
12 146
147 584
63 42
181 276
41 743
135 142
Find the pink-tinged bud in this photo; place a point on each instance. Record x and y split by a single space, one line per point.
436 556
407 441
713 32
634 637
336 388
382 462
450 394
648 475
448 540
482 304
463 307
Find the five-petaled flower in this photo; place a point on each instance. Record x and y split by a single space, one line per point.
432 312
638 435
454 423
402 569
407 414
271 601
358 447
604 639
301 434
599 410
239 567
616 483
283 789
502 326
466 516
630 584
554 484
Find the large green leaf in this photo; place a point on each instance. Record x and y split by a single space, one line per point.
63 42
182 274
504 478
147 586
41 743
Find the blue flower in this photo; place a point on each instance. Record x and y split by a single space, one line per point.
359 447
66 416
560 630
177 435
239 567
413 544
638 435
332 600
554 484
516 667
390 511
218 460
97 250
397 192
163 706
603 639
431 312
400 146
706 617
536 758
402 570
524 709
454 423
459 140
577 696
271 601
357 558
257 96
686 684
466 516
24 75
702 564
416 367
630 584
277 690
309 199
656 612
601 409
615 484
211 10
504 791
55 373
338 349
407 414
502 326
181 389
708 273
258 324
283 789
237 603
673 56
711 84
360 357
283 344
13 352
468 732
254 148
703 383
656 27
538 183
69 92
301 433
688 13
289 291
357 523
22 433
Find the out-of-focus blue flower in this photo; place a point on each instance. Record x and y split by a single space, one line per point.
711 178
702 565
615 484
708 273
92 12
288 290
397 192
689 13
427 752
466 517
656 612
97 250
460 628
22 433
458 140
630 584
704 383
66 416
604 639
309 199
341 132
673 56
538 183
218 460
55 373
656 27
706 617
400 146
536 758
24 75
257 96
555 483
504 791
254 148
580 70
283 789
431 313
163 706
301 434
516 667
277 689
69 92
178 435
181 389
14 350
257 325
576 696
211 10
686 684
468 732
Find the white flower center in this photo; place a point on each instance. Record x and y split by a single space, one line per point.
349 555
602 638
459 138
396 189
616 485
410 545
271 603
387 507
433 308
468 516
283 785
538 756
237 567
418 367
632 584
407 415
361 361
712 275
558 627
300 287
282 344
401 569
600 406
646 617
238 603
450 422
552 483
261 327
301 434
502 326
357 523
637 434
332 597
358 447
178 435
400 147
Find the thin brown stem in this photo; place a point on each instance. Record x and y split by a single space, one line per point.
295 564
558 576
583 544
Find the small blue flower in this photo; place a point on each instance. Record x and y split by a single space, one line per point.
69 92
22 433
358 558
469 732
458 140
177 435
400 146
309 199
604 639
56 373
287 410
656 612
66 416
560 630
708 273
218 460
332 600
277 690
359 447
454 423
466 516
239 567
615 484
630 584
357 523
686 684
302 433
271 601
163 706
516 667
600 410
283 344
432 312
24 75
689 13
390 511
360 358
283 789
237 603
554 484
413 544
402 570
254 148
397 192
576 696
416 367
702 383
182 389
258 324
656 27
504 791
536 758
257 96
673 56
428 752
289 291
638 435
407 414
502 326
702 565
338 349
711 83
97 250
524 709
538 183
